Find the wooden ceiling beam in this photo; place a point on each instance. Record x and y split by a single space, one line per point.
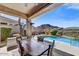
36 9
12 12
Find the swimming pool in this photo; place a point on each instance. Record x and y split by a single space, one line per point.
72 41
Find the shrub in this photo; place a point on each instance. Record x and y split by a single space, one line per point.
4 33
54 32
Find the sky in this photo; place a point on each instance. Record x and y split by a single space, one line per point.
66 15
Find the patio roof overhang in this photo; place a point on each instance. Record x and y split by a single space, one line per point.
27 10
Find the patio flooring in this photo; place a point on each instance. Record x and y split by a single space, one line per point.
15 52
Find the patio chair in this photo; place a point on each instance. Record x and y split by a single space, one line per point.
21 48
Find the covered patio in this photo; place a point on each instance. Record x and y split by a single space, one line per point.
29 11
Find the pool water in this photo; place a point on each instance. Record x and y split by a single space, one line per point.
72 41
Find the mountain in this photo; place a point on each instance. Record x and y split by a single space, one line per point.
43 26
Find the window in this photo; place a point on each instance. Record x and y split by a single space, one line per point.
3 23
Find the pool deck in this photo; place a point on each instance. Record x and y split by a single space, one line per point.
66 47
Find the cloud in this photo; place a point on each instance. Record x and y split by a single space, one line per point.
74 6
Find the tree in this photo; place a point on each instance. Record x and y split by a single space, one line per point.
22 26
5 31
54 31
47 31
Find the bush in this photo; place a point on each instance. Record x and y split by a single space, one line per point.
54 32
4 33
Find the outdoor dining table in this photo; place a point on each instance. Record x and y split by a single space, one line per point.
40 48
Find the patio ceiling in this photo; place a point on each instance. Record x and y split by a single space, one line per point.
27 10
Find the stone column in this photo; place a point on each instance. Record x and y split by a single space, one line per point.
29 28
29 31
